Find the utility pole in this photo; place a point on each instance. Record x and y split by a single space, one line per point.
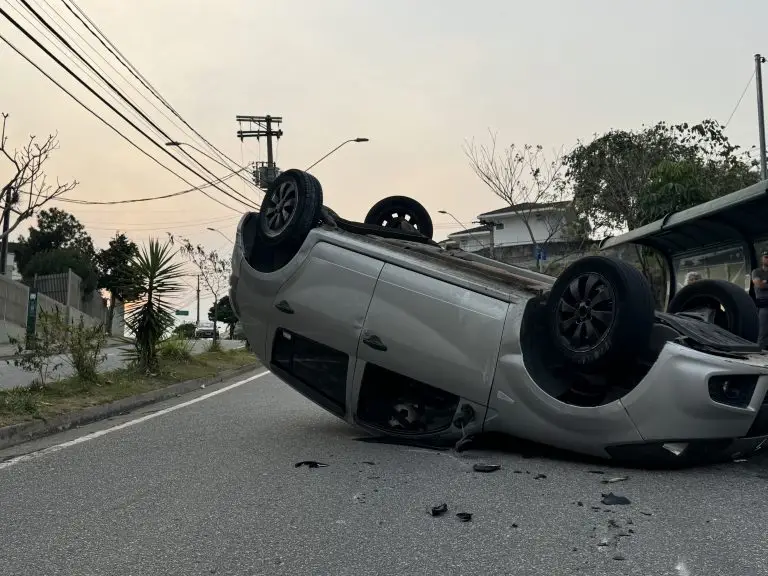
198 301
491 226
759 61
265 173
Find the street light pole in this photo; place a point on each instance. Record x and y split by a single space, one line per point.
468 232
759 61
174 143
334 150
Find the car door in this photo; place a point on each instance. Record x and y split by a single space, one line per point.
427 338
317 320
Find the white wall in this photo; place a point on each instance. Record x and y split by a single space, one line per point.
475 242
515 231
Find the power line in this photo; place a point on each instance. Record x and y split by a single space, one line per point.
132 69
91 111
122 96
108 63
749 82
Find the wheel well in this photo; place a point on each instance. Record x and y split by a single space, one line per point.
574 384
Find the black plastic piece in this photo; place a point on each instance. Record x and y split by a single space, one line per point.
283 306
373 341
706 334
733 390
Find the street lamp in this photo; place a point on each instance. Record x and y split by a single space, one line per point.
221 233
334 150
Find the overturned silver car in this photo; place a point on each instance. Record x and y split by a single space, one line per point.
384 328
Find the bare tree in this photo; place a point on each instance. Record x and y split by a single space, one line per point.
28 189
532 185
213 269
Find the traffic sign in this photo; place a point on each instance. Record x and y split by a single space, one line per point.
182 312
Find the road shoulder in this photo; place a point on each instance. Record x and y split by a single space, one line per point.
23 433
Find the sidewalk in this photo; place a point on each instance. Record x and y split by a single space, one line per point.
7 351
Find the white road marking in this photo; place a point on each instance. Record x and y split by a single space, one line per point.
98 433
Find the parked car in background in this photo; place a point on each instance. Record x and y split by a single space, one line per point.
205 330
386 329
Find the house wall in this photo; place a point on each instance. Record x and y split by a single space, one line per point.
475 242
515 232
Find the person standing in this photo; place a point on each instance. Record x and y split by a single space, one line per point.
760 281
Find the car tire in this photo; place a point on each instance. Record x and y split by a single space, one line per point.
290 209
393 211
600 310
738 314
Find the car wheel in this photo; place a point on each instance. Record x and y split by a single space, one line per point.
730 307
402 213
290 209
599 311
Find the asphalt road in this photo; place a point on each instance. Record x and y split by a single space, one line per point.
11 376
211 488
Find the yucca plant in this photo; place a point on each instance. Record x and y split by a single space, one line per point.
151 315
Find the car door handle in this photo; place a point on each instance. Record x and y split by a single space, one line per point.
374 342
283 306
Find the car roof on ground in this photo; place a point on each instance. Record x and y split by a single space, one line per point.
728 220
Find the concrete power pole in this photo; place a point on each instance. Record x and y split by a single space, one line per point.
6 225
264 174
198 301
759 61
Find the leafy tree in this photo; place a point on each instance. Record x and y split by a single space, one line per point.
60 260
624 179
27 189
186 330
223 312
56 230
151 314
116 272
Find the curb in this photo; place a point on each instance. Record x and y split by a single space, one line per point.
26 431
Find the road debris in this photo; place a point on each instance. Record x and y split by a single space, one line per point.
595 471
579 503
486 467
619 557
310 464
647 513
612 499
359 498
539 476
369 462
464 516
438 510
614 480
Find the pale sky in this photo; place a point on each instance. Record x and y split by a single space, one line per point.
417 77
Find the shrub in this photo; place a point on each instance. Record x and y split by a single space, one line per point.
43 348
21 400
175 348
85 346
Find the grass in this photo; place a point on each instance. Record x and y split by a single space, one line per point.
71 394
